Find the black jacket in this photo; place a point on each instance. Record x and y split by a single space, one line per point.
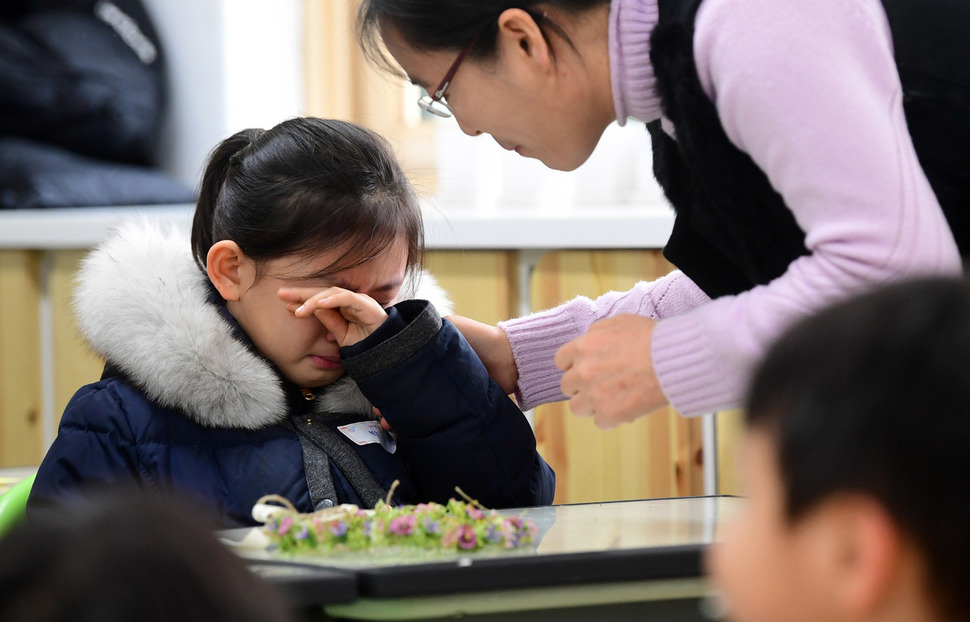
733 230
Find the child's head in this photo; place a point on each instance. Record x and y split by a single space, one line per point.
122 555
857 465
310 202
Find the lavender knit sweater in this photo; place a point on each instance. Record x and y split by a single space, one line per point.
808 89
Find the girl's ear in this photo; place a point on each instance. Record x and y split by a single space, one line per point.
520 40
229 269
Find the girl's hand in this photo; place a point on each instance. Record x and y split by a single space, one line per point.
384 423
349 316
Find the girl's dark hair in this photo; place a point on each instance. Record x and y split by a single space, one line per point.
430 25
304 187
872 396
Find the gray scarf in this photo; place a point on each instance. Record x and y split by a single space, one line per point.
321 445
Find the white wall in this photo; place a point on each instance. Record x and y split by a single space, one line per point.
232 64
476 173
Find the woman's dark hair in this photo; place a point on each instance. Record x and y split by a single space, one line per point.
304 187
430 25
872 396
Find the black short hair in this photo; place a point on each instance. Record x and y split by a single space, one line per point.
872 395
121 555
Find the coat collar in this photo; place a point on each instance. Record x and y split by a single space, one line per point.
142 303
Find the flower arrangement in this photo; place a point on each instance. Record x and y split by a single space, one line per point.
457 526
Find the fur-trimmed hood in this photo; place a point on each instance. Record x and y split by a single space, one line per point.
142 303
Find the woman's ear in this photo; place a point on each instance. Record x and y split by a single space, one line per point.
229 269
521 40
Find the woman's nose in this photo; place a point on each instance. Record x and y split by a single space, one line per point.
467 128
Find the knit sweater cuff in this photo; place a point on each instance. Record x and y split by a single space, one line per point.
535 339
631 72
688 370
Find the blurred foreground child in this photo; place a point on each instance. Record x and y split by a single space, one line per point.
857 466
129 557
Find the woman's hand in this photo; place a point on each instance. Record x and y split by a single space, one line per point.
491 344
609 372
349 316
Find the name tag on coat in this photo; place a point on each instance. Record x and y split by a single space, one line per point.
367 432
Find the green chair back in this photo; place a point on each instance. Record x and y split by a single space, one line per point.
13 504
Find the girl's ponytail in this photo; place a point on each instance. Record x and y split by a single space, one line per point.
226 156
307 187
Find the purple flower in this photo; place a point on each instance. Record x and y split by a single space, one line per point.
338 528
430 526
492 534
466 537
285 523
304 533
403 525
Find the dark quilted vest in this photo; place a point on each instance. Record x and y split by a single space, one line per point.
732 231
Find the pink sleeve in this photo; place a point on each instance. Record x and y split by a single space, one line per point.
536 338
809 89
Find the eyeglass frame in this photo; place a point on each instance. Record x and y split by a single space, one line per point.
428 102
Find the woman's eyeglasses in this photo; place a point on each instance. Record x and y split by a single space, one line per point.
435 103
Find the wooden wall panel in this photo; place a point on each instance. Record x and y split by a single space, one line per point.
21 428
342 84
730 428
75 365
482 284
656 456
331 81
